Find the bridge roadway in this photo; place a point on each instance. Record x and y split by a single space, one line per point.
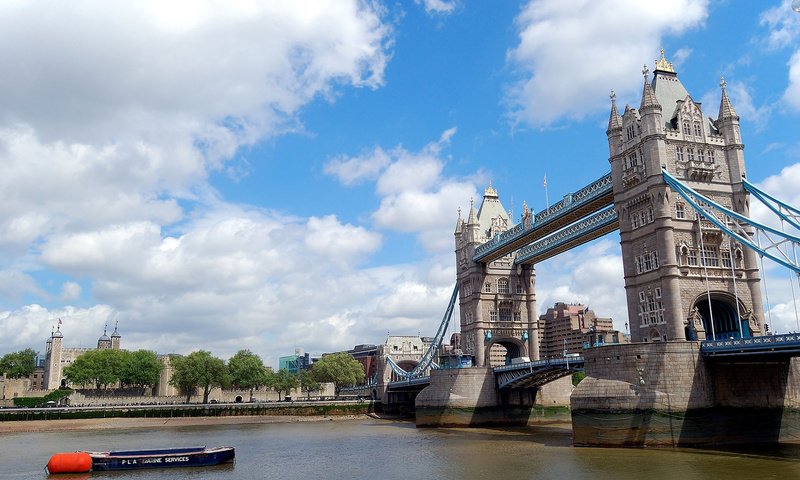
573 207
520 375
537 373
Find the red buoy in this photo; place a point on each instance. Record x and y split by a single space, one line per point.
72 462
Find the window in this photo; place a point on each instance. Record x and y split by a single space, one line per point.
680 210
698 132
726 258
505 314
709 257
641 297
468 318
630 132
493 315
711 156
686 130
646 262
487 288
701 155
679 153
502 285
517 317
519 287
690 151
466 288
657 292
691 258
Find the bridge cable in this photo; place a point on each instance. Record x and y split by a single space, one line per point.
705 272
791 282
766 290
735 291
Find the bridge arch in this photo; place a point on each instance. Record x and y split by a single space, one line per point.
507 347
407 365
722 308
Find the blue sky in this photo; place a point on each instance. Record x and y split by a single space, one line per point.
272 175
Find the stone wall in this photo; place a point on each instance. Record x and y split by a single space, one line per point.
668 395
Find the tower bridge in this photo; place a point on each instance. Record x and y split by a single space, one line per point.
678 196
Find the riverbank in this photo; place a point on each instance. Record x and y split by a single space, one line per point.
43 426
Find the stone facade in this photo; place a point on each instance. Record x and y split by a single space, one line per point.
681 271
57 358
497 300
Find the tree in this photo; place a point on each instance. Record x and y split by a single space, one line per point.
339 368
18 364
141 368
247 371
98 367
308 383
198 370
283 381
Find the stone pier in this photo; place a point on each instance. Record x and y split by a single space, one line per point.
666 394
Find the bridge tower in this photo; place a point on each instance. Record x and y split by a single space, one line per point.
497 299
681 274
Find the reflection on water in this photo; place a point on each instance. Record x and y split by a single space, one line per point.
388 450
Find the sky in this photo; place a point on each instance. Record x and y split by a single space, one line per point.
278 175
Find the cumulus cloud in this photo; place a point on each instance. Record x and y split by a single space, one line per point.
439 7
565 47
782 24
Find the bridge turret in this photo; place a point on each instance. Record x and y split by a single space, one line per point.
614 131
728 125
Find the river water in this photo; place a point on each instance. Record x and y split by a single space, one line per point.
381 449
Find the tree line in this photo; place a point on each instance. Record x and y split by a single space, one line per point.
198 371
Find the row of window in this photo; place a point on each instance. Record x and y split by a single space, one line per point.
633 160
503 286
651 310
687 128
700 154
709 256
642 217
646 262
505 315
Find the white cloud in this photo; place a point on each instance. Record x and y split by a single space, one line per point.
353 170
782 23
565 51
440 7
792 94
70 291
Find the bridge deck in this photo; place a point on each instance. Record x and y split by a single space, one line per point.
537 373
573 207
787 345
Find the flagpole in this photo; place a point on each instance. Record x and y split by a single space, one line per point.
546 199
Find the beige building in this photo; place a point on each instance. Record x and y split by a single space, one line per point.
57 357
680 271
569 328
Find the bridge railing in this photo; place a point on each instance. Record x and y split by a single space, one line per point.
587 194
765 344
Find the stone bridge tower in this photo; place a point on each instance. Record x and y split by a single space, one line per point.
497 299
680 272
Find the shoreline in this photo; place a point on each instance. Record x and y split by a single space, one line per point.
43 426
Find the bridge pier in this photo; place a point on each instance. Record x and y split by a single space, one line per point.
468 397
667 394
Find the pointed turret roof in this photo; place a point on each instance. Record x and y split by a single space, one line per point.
116 333
649 100
472 219
614 120
459 222
725 106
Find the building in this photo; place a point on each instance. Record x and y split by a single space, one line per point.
57 357
568 328
295 363
680 270
497 300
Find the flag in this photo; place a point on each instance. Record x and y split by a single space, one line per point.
59 321
545 181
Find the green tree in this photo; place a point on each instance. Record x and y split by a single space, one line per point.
98 367
339 368
198 370
18 364
577 377
283 381
247 371
308 383
141 368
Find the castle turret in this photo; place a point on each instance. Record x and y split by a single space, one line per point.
104 342
116 337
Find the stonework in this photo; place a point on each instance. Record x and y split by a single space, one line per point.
681 271
497 300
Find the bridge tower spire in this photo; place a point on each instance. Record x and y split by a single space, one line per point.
666 251
497 301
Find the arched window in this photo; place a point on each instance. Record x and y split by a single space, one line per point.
502 285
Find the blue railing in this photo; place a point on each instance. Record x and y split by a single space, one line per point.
768 344
598 188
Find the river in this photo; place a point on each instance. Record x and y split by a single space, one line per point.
382 449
